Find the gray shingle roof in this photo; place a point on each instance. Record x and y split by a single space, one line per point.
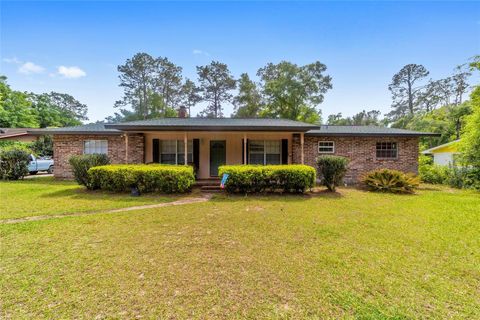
228 124
327 130
92 128
222 124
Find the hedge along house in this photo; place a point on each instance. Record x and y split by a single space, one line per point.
208 143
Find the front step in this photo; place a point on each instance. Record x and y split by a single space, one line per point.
211 188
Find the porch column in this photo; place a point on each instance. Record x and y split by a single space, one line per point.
244 148
185 147
301 148
126 148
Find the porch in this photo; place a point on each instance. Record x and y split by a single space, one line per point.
206 151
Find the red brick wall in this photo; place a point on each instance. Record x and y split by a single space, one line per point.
362 153
64 146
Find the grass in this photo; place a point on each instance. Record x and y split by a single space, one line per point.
47 196
353 254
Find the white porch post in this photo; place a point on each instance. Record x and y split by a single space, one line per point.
185 147
301 147
126 148
244 148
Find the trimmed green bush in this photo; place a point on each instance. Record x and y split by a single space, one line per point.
393 181
332 169
80 165
258 178
13 163
463 177
147 178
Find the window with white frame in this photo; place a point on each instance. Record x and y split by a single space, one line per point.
387 150
326 147
95 147
264 152
173 151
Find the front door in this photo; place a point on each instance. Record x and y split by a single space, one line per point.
218 156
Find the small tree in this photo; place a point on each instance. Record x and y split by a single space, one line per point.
332 169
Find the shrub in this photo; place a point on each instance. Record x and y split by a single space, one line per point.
81 164
463 177
433 173
147 178
385 180
258 178
13 163
332 169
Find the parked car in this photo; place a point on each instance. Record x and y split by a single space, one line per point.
40 164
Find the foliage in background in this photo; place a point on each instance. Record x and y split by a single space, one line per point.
215 86
43 146
81 163
29 110
13 163
255 178
470 143
147 178
430 172
363 118
332 170
392 181
249 101
294 92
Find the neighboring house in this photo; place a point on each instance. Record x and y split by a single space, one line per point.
209 143
17 134
444 154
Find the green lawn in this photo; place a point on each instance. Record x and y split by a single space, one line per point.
47 196
350 255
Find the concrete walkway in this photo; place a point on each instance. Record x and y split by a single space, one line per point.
203 198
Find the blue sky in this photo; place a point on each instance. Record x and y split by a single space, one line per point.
74 47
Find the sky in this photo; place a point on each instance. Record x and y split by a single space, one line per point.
75 47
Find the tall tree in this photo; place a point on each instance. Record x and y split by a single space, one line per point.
189 96
470 143
15 108
215 83
248 102
460 84
145 81
294 92
405 90
137 77
168 81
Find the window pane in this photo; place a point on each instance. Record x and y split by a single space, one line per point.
272 147
95 146
386 149
256 146
326 147
256 158
273 159
168 151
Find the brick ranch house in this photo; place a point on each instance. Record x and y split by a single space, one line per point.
209 143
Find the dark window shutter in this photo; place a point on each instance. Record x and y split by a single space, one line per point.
156 150
196 153
248 147
284 151
243 152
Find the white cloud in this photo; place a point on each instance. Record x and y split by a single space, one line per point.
71 72
200 52
30 67
12 60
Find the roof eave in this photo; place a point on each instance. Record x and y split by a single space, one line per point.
353 134
51 132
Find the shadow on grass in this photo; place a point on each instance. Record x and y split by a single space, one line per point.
269 196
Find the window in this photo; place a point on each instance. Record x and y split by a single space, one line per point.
95 146
173 152
264 152
326 147
387 150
